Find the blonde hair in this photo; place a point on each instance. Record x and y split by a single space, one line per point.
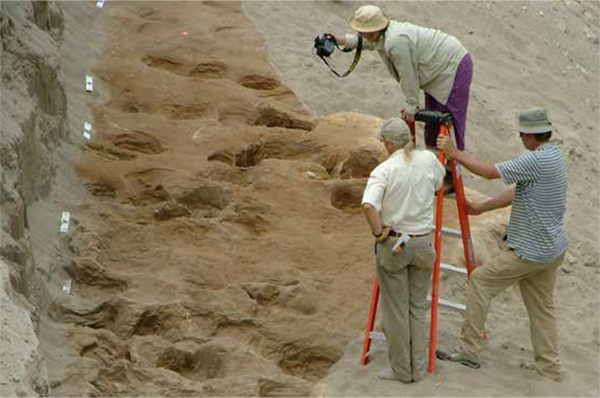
408 148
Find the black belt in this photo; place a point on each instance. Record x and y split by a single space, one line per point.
394 233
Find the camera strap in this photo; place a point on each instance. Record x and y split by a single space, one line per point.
354 62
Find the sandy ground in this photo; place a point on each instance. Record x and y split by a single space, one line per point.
525 54
221 251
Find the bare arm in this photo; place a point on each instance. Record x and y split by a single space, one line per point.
340 40
372 216
503 200
474 165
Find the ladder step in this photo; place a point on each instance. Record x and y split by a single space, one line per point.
452 232
377 336
449 305
452 306
447 195
453 268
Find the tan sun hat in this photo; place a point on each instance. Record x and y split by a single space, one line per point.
534 121
369 19
394 129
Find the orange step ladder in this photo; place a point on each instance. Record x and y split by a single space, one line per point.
444 120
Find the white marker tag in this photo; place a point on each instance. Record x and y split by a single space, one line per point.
87 131
400 243
89 83
67 287
64 222
100 3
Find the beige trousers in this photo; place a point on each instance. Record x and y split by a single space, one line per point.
536 281
404 280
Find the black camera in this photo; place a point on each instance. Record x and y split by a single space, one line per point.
325 45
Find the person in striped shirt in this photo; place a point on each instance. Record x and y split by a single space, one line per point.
534 247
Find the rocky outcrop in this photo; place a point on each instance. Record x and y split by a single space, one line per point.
23 366
34 119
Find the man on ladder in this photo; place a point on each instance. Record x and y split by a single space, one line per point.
398 205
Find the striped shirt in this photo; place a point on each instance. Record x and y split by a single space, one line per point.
536 230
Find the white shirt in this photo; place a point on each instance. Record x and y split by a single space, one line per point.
403 192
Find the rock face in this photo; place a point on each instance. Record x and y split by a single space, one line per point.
34 120
23 366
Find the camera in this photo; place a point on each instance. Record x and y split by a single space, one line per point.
325 45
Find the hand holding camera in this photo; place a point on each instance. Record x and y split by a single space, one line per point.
325 44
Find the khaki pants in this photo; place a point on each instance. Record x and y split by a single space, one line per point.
536 281
404 280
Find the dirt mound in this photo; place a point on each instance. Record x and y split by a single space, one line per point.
272 116
206 216
203 70
257 82
347 195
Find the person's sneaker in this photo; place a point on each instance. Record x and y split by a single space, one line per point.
457 355
389 374
558 377
418 377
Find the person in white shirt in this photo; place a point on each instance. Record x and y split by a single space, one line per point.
398 203
418 58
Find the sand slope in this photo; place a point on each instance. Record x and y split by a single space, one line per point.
223 253
525 54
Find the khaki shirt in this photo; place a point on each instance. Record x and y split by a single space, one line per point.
418 58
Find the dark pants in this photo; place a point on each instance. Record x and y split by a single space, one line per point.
458 103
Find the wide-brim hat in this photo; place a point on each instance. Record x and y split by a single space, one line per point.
534 121
394 129
369 19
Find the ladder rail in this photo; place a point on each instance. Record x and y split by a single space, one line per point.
370 323
435 285
461 203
